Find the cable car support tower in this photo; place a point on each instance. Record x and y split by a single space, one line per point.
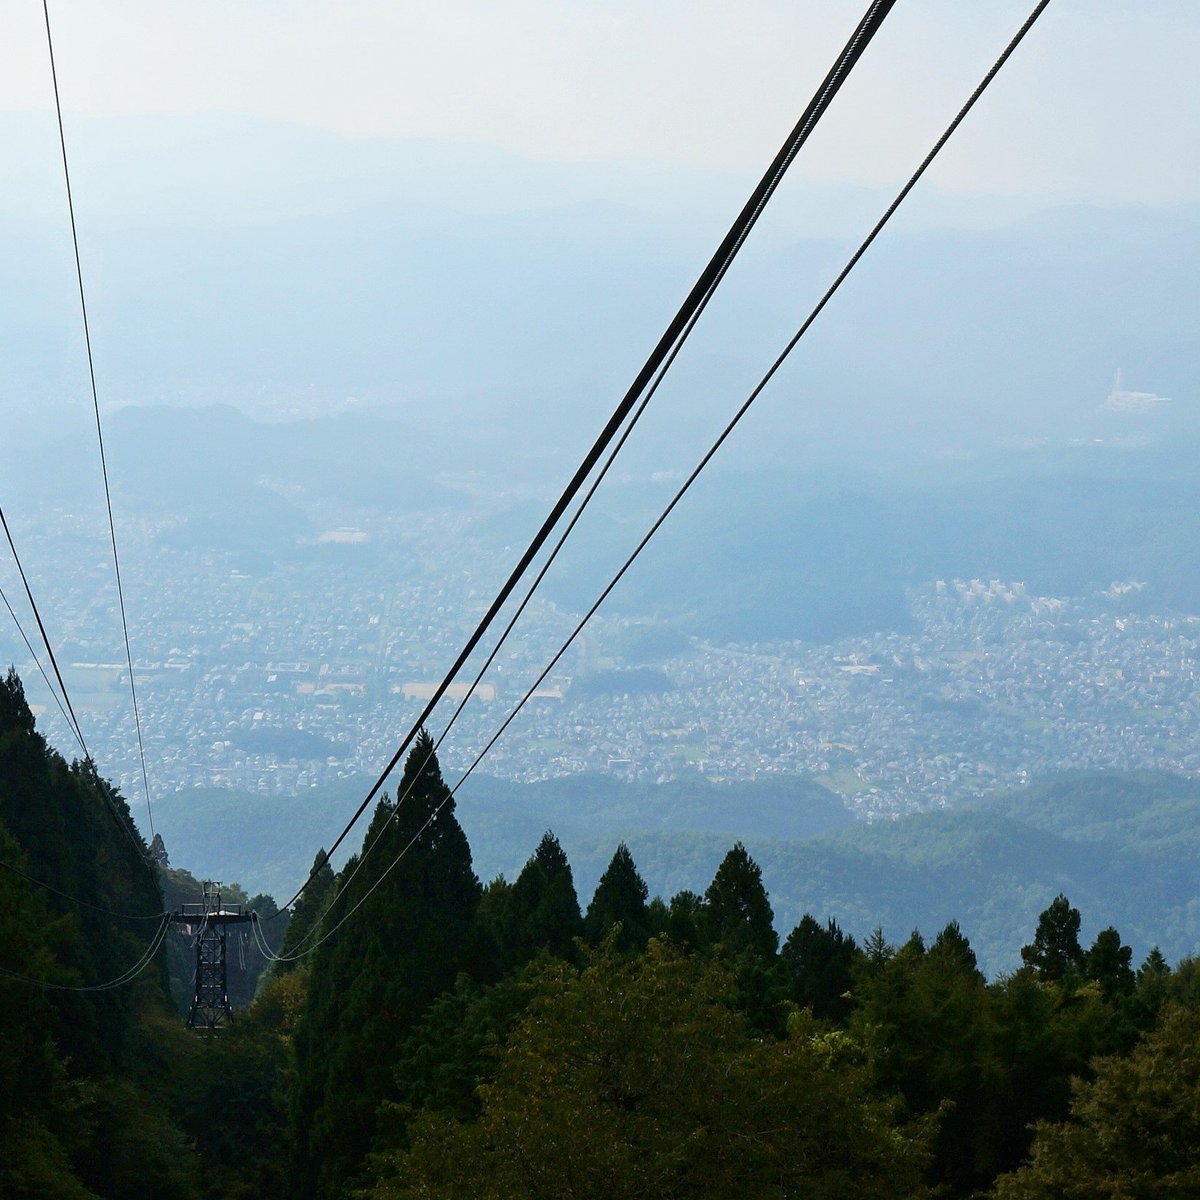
208 925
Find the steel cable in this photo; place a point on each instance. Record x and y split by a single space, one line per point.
87 337
701 465
664 353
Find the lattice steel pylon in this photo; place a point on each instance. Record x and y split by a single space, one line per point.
208 924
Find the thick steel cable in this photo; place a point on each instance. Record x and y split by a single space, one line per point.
110 802
764 381
541 575
549 562
37 616
704 461
41 670
87 337
125 977
668 346
108 912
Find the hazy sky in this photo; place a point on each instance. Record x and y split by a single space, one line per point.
1100 104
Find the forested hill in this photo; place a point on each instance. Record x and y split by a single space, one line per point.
456 1040
424 1035
1124 845
81 1094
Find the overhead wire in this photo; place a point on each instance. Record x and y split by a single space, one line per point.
73 721
49 887
799 136
125 977
664 352
694 475
87 337
105 791
63 701
41 669
766 378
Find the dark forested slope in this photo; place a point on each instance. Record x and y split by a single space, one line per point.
81 1113
428 1036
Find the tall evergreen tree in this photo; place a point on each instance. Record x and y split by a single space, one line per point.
926 1016
819 963
736 907
1110 964
303 928
737 918
376 976
1055 953
684 923
544 907
877 951
1135 1128
619 899
79 1110
78 836
952 948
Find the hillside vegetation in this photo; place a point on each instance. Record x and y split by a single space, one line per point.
423 1034
1126 846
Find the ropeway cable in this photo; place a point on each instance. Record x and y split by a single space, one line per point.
125 977
110 912
105 792
42 670
798 137
546 565
87 337
763 382
73 721
704 461
663 353
717 268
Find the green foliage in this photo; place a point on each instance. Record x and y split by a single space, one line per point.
989 1060
543 905
450 1041
736 919
232 1095
133 1153
1108 962
76 835
926 1017
537 914
1055 953
81 1111
1134 1132
637 1077
37 1106
412 933
819 964
35 1164
619 901
685 924
736 909
453 1049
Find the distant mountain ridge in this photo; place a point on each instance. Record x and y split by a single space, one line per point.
331 268
1125 848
